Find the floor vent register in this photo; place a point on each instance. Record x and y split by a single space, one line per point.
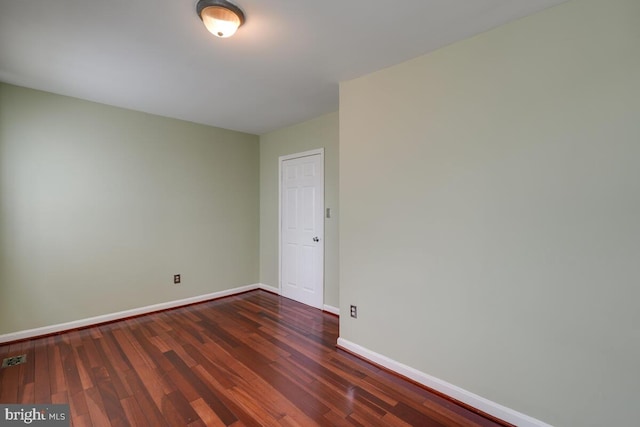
13 361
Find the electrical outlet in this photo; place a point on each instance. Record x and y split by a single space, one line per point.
176 279
354 311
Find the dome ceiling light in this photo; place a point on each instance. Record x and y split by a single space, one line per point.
221 17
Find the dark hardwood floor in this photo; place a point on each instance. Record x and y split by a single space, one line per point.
249 360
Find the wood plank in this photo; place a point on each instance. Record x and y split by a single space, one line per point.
135 415
42 389
206 414
109 395
141 395
200 389
56 375
183 407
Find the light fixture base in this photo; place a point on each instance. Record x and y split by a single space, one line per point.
202 4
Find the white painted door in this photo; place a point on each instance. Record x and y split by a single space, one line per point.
302 228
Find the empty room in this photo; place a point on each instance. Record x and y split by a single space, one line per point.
358 213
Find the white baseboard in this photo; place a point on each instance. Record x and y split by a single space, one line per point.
478 402
331 309
269 288
276 290
46 330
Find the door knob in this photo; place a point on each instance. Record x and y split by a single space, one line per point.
315 239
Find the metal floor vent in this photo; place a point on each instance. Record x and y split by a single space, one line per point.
13 361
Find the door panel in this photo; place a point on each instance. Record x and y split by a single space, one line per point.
302 229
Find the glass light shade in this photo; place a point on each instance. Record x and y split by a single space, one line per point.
220 21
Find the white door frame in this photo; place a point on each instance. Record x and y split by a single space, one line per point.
281 161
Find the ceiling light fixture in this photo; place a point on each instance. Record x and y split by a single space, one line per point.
221 18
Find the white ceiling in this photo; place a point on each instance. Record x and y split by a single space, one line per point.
282 67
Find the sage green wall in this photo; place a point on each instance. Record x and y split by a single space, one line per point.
490 213
317 133
101 206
